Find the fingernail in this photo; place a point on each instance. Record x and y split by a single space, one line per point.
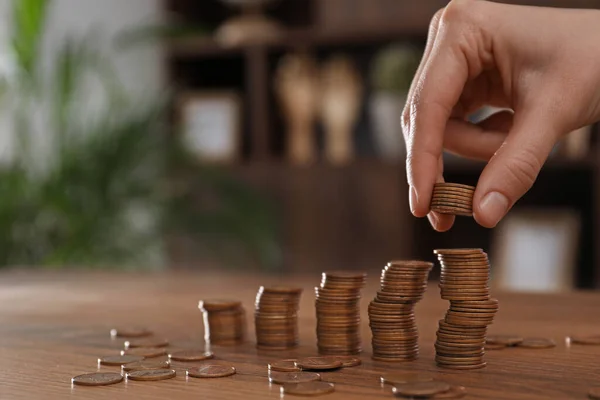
414 199
494 206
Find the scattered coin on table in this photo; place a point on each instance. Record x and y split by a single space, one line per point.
146 352
151 375
130 332
97 379
149 342
315 388
211 371
506 340
593 340
119 360
455 392
293 377
347 361
191 355
537 343
145 364
405 377
318 363
288 365
420 389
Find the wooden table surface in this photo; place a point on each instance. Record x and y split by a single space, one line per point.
55 326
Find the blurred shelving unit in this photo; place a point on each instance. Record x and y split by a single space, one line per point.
354 216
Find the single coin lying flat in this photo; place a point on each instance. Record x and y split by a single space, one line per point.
97 379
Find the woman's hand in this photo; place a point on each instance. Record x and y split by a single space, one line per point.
542 63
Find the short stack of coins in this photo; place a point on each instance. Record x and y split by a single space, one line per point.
462 333
276 317
391 313
453 198
338 313
224 321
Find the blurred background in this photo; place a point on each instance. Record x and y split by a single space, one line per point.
248 134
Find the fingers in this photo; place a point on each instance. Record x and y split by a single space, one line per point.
513 169
480 141
437 90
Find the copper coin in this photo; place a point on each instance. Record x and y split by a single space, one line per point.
191 355
118 360
537 343
451 203
145 364
594 393
97 379
347 361
308 388
462 367
345 275
427 388
211 371
130 332
453 185
589 340
280 290
146 352
218 304
458 252
151 375
131 344
490 346
455 392
318 363
284 366
405 377
293 377
507 340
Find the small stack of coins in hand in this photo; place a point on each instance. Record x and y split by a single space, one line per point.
338 313
276 317
391 313
462 333
453 198
224 321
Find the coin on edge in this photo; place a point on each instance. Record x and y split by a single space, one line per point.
97 379
151 374
316 388
211 371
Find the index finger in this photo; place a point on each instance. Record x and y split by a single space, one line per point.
437 92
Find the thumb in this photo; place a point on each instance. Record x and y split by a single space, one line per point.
514 168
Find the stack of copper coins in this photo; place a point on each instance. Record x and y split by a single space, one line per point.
338 313
453 198
391 313
276 317
462 333
224 321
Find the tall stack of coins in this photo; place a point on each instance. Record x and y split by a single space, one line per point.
453 198
462 333
338 313
224 321
276 317
391 313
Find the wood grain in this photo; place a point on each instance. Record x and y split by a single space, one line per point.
55 326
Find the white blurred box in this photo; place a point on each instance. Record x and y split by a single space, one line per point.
536 250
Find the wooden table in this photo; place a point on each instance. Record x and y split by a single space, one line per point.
54 326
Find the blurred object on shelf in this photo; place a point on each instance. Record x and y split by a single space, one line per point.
296 85
536 250
211 125
392 73
252 27
341 89
576 145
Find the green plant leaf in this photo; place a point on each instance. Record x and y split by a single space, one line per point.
29 17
